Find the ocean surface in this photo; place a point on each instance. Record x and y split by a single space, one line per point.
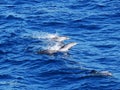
25 28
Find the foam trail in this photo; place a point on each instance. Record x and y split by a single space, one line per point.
40 35
43 35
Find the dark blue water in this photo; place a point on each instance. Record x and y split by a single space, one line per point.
93 24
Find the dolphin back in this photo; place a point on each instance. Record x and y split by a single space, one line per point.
47 52
68 46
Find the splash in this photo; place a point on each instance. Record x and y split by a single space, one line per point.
39 35
43 35
46 38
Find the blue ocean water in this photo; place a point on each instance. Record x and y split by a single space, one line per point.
93 24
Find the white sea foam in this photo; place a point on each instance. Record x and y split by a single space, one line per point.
40 35
43 35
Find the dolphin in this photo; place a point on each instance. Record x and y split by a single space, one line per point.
66 47
101 73
49 52
59 38
62 49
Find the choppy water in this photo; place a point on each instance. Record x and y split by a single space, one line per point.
94 24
